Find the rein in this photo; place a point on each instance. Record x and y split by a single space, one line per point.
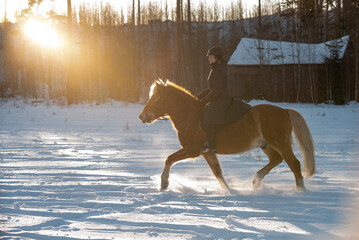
166 118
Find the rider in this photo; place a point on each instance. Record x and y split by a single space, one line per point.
217 97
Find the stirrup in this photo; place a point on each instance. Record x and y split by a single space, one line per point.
208 148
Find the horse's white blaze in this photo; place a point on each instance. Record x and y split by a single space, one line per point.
153 90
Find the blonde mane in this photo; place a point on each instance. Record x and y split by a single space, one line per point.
171 86
181 89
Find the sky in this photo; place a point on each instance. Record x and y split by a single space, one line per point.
61 5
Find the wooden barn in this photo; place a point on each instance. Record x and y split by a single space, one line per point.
290 72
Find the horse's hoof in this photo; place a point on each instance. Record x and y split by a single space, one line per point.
300 186
164 186
301 189
230 191
256 182
224 185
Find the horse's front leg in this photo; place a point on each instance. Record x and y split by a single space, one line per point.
213 163
171 159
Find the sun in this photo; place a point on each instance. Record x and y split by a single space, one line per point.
42 34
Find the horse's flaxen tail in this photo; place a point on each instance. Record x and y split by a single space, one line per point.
305 140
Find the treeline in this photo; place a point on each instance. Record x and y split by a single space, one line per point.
110 54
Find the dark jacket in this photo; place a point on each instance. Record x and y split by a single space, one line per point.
217 96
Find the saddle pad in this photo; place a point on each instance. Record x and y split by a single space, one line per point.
236 109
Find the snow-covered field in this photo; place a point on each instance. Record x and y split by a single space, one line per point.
92 172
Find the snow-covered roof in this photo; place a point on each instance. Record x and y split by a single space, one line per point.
251 51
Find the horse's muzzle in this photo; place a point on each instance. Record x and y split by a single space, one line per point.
145 118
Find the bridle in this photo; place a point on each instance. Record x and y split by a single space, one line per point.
166 117
167 114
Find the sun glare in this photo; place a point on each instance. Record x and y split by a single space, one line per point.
42 33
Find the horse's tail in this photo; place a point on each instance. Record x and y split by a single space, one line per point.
305 140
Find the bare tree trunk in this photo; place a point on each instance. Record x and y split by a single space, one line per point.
356 46
299 21
299 40
5 14
299 81
133 13
189 58
189 13
69 85
311 83
339 18
69 19
179 39
133 80
328 84
282 57
166 15
311 79
139 12
328 79
327 21
357 72
135 55
316 21
259 19
283 83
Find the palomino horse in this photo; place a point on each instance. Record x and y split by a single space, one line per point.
265 126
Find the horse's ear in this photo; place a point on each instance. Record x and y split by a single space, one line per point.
159 81
159 85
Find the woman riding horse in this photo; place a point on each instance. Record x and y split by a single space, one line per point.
266 126
217 98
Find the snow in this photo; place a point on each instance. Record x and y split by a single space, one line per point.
93 172
251 51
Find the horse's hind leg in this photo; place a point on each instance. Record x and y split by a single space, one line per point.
294 165
274 160
213 162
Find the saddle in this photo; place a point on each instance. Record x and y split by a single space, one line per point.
236 109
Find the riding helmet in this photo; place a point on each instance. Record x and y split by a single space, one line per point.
216 50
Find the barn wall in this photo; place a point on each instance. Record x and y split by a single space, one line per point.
283 83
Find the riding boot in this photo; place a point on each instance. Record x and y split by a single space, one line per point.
210 145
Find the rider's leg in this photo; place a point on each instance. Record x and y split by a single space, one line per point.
210 130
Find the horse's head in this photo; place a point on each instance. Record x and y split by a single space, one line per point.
157 105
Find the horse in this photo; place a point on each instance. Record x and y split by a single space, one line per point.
264 126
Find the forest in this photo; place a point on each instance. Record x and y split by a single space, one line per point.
112 55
